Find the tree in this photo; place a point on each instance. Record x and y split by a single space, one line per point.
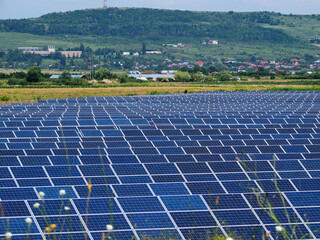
182 77
65 75
197 77
34 74
224 76
103 73
81 47
144 48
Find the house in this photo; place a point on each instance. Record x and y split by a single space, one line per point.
213 42
317 63
210 42
36 50
72 54
154 52
200 64
126 53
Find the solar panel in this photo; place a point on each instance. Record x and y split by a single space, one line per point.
181 166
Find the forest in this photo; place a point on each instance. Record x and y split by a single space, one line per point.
153 24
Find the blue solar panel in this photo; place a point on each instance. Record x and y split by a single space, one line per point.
182 166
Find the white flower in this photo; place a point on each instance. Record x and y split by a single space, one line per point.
62 192
279 229
66 208
8 235
36 205
41 194
109 227
28 220
229 238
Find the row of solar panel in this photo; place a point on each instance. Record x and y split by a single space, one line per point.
160 150
53 143
162 189
105 120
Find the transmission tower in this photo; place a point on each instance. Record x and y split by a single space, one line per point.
105 3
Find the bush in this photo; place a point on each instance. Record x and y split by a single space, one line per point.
34 74
103 73
71 82
65 75
14 81
19 75
5 98
224 76
182 77
3 76
123 78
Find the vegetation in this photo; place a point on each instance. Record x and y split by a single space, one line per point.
153 24
242 37
33 75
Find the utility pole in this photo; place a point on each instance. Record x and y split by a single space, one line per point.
105 3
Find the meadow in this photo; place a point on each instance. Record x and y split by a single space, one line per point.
34 93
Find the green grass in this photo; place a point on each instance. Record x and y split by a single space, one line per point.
194 52
13 40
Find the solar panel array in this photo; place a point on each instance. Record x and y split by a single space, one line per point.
182 166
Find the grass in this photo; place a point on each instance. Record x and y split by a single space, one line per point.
131 89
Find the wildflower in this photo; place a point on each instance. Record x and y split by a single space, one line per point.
8 235
28 220
66 208
62 192
217 201
36 205
48 229
89 187
104 236
53 226
229 238
41 194
279 229
268 233
109 227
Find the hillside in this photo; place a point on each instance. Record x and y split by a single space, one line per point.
153 24
241 35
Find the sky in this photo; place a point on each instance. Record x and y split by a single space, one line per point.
35 8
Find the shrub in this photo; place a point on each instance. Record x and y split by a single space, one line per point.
71 82
34 74
14 81
103 73
224 76
182 77
65 75
5 98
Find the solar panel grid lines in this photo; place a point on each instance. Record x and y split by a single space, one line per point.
183 150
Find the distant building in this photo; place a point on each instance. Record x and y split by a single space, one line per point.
50 49
72 76
72 54
28 49
154 52
126 53
210 42
317 63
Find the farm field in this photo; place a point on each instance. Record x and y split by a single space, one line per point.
131 89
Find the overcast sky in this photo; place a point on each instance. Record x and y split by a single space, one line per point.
35 8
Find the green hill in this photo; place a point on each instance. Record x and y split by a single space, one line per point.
152 24
259 34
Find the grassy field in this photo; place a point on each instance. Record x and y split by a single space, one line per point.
194 52
8 95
